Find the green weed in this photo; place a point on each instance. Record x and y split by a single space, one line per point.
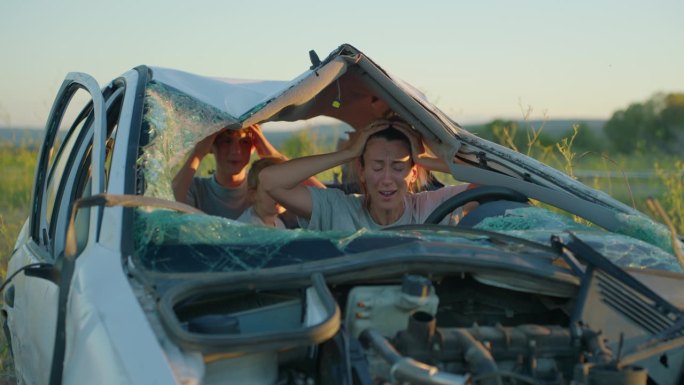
673 194
18 166
653 174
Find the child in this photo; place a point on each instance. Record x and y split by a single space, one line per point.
224 193
264 210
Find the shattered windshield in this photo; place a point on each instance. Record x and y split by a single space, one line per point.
538 225
173 242
167 241
175 122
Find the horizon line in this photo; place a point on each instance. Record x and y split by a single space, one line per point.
302 122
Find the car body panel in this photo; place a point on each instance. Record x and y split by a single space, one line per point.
34 329
32 319
109 339
666 284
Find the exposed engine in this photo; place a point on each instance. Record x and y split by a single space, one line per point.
457 331
397 329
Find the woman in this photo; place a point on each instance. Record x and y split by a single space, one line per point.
386 157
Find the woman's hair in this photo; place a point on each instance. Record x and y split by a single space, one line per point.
257 166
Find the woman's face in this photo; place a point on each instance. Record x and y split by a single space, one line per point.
387 173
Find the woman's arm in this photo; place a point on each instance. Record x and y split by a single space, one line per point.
284 181
264 148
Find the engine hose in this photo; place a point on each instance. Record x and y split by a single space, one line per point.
404 369
478 357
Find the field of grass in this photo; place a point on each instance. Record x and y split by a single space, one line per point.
631 179
18 166
634 179
661 179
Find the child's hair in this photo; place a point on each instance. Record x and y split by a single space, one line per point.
257 166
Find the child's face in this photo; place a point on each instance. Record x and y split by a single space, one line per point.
232 150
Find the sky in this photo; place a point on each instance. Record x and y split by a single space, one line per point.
476 60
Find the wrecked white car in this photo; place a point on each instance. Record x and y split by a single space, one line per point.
113 282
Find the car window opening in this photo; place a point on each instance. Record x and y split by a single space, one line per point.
176 121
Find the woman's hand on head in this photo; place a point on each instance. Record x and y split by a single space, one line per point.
357 139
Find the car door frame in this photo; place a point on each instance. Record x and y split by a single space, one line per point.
72 83
39 288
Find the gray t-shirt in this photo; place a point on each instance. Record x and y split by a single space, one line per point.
209 196
334 210
250 216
